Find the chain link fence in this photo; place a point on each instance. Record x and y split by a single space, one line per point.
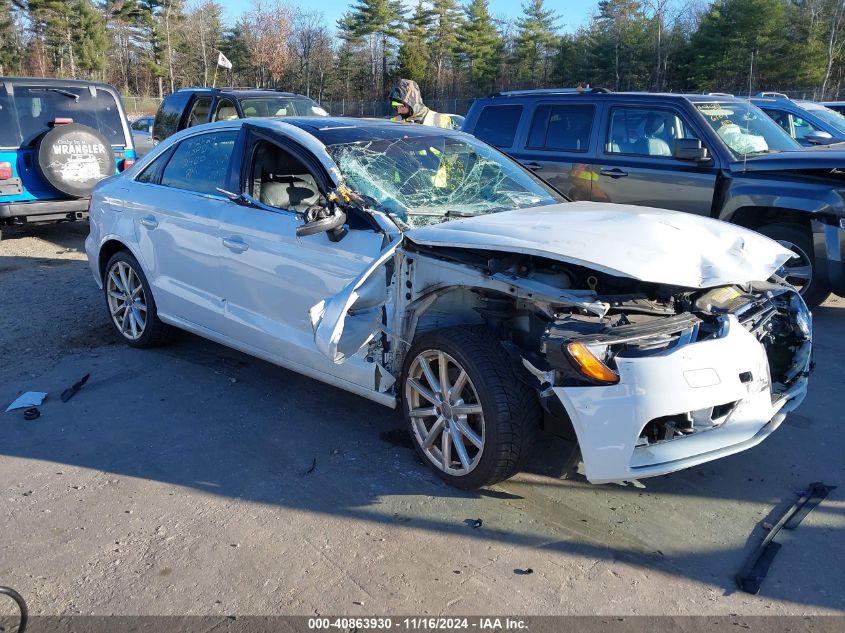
139 106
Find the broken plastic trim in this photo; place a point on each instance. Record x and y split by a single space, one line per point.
752 574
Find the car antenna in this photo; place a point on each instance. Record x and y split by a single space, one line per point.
748 120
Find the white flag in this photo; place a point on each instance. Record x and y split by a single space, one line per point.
222 60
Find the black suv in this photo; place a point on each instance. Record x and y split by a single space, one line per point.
707 154
58 138
194 106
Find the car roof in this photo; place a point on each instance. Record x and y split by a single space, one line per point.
334 130
52 81
601 93
244 92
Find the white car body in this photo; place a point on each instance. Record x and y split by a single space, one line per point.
238 275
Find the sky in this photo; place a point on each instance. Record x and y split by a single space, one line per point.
573 13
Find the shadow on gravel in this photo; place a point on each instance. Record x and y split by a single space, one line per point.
198 415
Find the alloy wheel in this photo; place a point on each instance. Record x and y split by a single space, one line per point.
127 300
797 271
445 411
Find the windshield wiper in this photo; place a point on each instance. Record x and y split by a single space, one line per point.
65 93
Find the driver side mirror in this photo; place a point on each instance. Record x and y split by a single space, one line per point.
690 149
319 219
818 138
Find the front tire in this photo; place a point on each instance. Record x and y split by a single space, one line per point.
129 300
800 271
469 416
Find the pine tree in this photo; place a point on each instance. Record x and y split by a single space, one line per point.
10 54
480 46
536 43
380 20
90 42
443 41
414 54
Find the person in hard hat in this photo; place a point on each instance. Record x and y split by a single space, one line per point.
406 98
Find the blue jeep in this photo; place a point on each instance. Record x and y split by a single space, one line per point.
58 138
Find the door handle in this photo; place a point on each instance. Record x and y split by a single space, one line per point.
533 166
149 222
235 244
613 173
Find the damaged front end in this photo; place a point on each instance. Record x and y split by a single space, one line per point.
649 394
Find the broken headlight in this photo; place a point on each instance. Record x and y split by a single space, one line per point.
589 358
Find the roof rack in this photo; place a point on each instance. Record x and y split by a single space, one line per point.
553 91
772 95
718 94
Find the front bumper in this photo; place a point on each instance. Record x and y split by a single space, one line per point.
829 247
728 374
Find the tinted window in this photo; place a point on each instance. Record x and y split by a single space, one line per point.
565 127
779 117
10 135
34 107
200 163
497 124
169 114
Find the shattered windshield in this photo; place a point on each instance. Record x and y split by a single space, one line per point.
746 129
430 179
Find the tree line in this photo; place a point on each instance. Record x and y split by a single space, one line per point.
452 49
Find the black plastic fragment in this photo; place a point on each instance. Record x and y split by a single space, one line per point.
752 574
70 392
474 523
311 467
18 598
31 414
523 572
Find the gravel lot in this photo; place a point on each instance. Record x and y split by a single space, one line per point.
179 481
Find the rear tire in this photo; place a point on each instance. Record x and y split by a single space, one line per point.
805 277
130 304
485 407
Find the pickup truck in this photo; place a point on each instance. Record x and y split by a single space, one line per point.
710 155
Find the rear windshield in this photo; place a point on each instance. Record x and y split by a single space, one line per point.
280 106
26 115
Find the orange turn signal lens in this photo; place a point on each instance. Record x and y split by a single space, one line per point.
591 366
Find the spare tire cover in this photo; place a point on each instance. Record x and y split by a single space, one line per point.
73 158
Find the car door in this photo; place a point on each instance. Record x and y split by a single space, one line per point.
272 277
636 163
558 147
142 135
175 206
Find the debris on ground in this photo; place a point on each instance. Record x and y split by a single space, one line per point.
474 523
311 468
31 414
755 569
70 392
523 572
27 400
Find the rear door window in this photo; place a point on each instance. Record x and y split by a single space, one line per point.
497 124
33 108
562 127
200 163
199 111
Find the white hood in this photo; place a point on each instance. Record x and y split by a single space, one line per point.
643 243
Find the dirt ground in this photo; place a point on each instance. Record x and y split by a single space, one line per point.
193 479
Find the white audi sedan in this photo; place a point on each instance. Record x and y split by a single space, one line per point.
425 270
